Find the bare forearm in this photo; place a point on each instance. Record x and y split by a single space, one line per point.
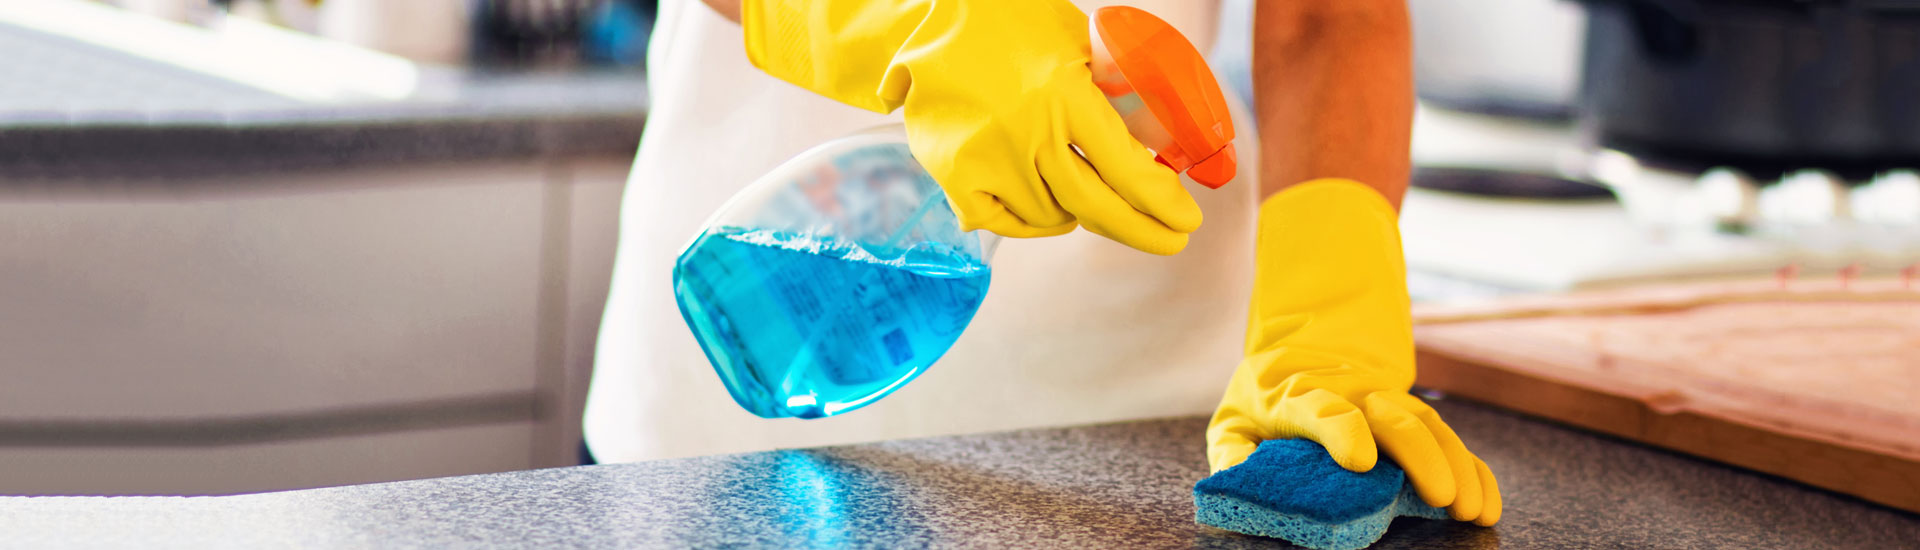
729 9
1334 87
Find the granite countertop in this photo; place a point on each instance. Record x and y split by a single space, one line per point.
1115 485
73 110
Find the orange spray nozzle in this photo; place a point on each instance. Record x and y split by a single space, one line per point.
1165 92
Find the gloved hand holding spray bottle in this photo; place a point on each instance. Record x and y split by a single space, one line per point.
845 272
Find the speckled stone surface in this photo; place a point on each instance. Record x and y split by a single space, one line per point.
73 111
1110 486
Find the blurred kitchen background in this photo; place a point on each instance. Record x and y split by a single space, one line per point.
250 245
1563 145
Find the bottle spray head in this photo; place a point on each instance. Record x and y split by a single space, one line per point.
1165 92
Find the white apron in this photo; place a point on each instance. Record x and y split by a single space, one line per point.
1074 329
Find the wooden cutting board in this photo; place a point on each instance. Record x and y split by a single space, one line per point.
1810 381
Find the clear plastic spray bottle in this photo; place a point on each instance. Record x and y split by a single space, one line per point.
841 275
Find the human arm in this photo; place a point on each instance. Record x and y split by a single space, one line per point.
1334 80
729 9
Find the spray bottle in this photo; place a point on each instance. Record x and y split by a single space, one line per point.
843 274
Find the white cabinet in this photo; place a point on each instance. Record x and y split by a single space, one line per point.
284 331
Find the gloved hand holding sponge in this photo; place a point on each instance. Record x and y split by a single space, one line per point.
1330 351
997 97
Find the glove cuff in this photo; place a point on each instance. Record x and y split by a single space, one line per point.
1318 193
1329 275
841 49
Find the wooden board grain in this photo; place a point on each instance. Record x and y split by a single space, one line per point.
1812 382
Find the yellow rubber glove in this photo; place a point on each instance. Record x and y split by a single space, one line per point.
1330 351
997 95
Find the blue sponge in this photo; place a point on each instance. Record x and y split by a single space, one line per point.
1291 489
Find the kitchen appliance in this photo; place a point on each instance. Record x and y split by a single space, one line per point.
1739 137
1764 86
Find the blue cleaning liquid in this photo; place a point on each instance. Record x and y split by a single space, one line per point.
805 327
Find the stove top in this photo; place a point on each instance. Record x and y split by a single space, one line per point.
1526 205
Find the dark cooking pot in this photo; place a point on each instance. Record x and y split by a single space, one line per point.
1763 85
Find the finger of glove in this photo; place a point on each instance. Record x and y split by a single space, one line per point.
1126 166
1017 204
1099 209
1336 424
1490 495
1006 224
1469 502
1407 440
1241 421
1230 440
